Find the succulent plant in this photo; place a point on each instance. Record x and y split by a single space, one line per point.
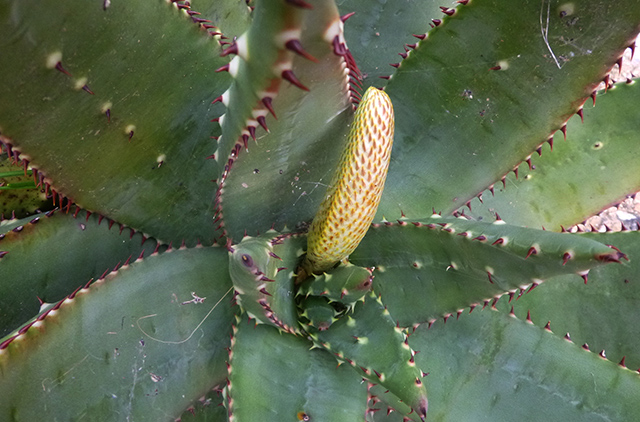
186 147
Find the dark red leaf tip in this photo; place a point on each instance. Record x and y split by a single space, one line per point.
267 101
232 49
290 77
447 11
59 68
344 18
295 46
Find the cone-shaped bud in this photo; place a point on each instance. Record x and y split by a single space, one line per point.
354 193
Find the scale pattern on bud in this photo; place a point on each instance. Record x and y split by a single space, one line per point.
353 196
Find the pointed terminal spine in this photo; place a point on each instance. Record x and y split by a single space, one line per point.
289 76
295 46
354 193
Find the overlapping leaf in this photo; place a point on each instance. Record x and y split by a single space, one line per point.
605 312
442 265
141 344
596 166
490 366
38 265
275 376
488 86
75 107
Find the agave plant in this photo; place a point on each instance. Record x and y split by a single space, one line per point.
185 149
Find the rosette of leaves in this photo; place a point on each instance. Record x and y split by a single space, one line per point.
186 146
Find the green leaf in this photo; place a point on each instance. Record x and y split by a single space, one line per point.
605 312
441 265
8 225
254 70
298 156
208 408
157 180
140 344
230 17
275 377
369 340
461 126
346 284
51 255
261 269
596 166
379 29
489 366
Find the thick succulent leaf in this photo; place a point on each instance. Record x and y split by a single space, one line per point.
8 225
55 253
604 313
255 70
208 408
140 344
461 125
231 18
378 31
598 164
298 157
275 377
368 339
262 269
488 366
439 266
386 406
136 149
251 271
346 284
317 312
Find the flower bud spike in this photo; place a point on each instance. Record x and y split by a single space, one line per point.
338 228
